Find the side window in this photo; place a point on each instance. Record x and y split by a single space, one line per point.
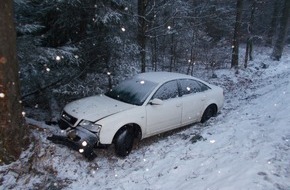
189 86
167 91
203 87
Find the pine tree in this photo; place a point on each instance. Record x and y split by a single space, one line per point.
141 35
237 33
274 23
249 47
282 32
13 131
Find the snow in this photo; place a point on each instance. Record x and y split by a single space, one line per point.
247 146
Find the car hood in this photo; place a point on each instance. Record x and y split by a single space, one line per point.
95 108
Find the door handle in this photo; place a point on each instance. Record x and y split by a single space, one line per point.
178 105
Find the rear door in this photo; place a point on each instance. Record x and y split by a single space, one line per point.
193 96
167 115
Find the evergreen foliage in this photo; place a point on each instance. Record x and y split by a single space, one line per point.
80 48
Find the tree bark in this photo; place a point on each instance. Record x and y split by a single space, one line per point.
274 23
154 52
141 36
282 32
13 131
172 51
249 47
235 43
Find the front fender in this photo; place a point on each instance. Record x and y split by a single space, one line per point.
110 125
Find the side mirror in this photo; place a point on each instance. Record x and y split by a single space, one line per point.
156 101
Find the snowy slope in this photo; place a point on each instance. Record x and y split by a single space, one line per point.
247 146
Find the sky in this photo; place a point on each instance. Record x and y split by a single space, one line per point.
247 146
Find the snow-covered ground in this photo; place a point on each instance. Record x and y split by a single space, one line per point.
247 146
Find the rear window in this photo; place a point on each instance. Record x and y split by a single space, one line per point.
189 86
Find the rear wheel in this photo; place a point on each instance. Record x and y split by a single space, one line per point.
124 141
209 112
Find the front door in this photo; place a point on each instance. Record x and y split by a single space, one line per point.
165 116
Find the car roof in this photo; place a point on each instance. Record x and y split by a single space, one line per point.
161 77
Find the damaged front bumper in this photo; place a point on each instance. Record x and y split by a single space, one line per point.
79 139
83 138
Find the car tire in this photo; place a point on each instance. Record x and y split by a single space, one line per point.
124 141
209 112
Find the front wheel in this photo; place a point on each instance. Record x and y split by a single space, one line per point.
124 141
209 112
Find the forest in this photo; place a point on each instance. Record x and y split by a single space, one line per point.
78 48
67 49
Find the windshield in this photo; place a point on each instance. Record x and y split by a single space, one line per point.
134 91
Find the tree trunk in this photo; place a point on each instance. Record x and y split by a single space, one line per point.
190 62
154 52
247 53
172 53
274 22
249 47
282 32
235 43
154 42
141 36
13 131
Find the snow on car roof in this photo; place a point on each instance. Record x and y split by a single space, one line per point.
159 77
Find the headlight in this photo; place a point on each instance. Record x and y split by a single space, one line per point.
81 150
90 126
84 143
